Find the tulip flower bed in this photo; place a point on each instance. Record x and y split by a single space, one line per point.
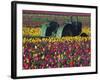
40 53
29 31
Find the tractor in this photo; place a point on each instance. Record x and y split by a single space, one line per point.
71 28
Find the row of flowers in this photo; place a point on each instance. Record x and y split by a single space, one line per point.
29 31
53 52
55 39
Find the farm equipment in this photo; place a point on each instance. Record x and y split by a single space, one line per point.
71 28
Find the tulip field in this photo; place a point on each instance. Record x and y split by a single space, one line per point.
43 43
53 52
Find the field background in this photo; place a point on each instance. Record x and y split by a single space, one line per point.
33 21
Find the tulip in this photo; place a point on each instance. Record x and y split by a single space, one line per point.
56 52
